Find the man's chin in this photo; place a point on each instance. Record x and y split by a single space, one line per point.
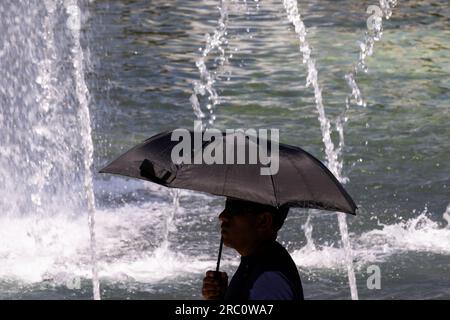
226 241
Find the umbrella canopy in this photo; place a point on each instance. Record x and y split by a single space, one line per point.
301 180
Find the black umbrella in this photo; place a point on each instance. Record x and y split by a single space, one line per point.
300 181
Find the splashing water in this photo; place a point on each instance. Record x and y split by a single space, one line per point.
205 86
446 216
294 17
333 162
420 234
217 47
46 240
46 156
169 226
308 234
74 25
372 35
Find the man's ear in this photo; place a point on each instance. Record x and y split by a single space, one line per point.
265 221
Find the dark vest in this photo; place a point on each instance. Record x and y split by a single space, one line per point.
274 258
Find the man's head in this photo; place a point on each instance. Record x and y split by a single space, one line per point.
245 224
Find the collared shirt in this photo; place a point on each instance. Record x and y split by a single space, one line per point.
268 275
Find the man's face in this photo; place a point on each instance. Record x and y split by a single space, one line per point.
237 225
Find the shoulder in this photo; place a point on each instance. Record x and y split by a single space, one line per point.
280 259
271 285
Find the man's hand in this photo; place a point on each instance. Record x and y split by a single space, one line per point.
215 285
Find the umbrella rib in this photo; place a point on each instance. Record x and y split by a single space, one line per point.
274 192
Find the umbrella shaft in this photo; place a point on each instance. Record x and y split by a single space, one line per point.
220 254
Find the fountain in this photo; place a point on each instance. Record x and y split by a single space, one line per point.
334 164
308 234
446 216
46 154
372 35
205 86
333 154
74 25
168 226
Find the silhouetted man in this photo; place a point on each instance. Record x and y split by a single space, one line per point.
266 271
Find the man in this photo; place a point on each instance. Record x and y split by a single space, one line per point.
266 271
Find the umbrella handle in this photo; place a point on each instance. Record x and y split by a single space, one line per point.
220 254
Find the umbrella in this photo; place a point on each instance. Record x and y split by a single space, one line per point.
293 178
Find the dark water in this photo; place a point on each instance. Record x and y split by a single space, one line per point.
397 152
